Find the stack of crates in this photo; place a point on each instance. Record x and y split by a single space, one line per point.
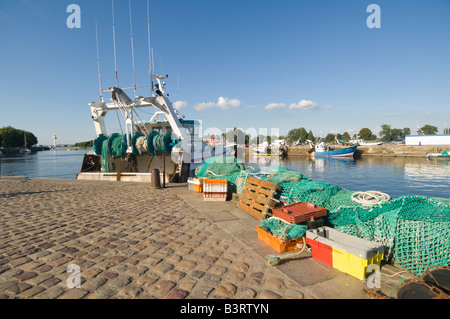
344 252
296 213
215 189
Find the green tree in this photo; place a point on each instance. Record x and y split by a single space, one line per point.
31 139
329 138
406 131
346 137
87 144
12 137
385 132
447 130
310 136
366 134
429 129
303 135
396 133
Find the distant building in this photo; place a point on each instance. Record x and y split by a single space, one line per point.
427 139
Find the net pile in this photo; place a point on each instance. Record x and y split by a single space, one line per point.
415 229
283 230
115 145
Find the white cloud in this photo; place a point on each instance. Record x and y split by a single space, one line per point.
272 106
178 105
306 105
223 102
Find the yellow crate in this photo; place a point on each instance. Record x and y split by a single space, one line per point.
352 264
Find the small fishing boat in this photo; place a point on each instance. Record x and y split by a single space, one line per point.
263 149
443 155
364 143
321 149
25 149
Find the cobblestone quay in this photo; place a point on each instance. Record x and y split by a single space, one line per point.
126 241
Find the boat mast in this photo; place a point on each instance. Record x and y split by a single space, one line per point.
98 64
132 50
114 41
150 70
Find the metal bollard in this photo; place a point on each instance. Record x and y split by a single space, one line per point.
155 179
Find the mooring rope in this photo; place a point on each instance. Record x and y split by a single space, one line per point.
370 198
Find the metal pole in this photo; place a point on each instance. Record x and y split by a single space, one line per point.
98 63
164 169
132 49
150 71
114 40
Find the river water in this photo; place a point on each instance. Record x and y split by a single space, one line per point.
395 176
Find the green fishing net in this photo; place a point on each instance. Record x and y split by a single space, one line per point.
283 230
414 229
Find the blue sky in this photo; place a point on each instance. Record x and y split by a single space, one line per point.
249 63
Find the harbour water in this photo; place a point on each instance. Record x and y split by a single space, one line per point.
395 176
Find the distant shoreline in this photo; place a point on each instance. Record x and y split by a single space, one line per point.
384 150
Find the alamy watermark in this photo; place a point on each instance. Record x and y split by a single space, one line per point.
74 19
374 279
74 278
374 20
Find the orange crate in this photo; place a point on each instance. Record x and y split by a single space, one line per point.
215 181
198 185
278 244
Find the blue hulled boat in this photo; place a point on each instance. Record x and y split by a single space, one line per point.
322 149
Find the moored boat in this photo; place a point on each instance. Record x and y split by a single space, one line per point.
443 155
321 149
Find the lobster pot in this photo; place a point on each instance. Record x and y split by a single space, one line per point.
215 189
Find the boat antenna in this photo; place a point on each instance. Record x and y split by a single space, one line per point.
153 63
98 63
132 50
150 70
114 41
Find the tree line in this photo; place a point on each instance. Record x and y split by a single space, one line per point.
11 137
386 134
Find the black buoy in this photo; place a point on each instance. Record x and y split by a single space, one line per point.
155 179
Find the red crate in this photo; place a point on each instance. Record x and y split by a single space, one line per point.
321 251
299 212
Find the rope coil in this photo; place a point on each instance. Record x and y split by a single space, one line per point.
370 198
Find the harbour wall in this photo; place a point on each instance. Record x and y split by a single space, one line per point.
386 150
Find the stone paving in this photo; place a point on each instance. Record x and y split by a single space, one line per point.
129 242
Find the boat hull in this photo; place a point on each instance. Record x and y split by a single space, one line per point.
345 152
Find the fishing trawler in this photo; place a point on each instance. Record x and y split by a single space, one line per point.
321 149
166 142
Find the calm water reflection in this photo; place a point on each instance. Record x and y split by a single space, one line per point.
396 176
393 175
